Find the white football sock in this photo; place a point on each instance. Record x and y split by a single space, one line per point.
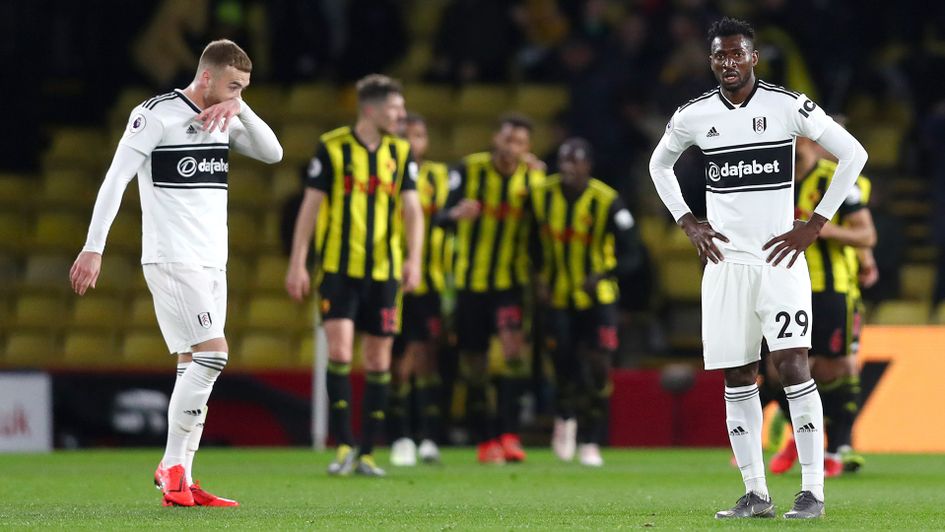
193 444
188 402
744 419
807 417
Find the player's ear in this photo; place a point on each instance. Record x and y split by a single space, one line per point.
754 57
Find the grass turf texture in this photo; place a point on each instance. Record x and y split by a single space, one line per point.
288 489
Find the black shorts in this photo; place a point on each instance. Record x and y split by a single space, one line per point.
422 318
595 327
480 315
856 328
374 306
832 317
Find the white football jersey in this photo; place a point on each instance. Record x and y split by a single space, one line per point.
182 183
749 161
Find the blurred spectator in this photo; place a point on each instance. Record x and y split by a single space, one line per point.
301 39
375 39
685 73
544 27
164 50
890 250
475 42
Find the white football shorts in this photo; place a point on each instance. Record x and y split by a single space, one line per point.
189 301
741 303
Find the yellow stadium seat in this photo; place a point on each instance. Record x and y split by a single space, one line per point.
276 312
31 350
270 273
40 311
653 233
917 281
145 349
540 101
239 274
244 232
939 317
265 350
86 349
298 143
434 102
883 143
97 311
267 101
76 148
682 279
14 232
306 355
898 312
15 190
125 233
47 272
484 101
68 187
542 138
307 101
248 187
119 273
9 273
129 98
59 231
286 182
142 312
470 138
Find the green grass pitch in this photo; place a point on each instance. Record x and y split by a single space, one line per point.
288 489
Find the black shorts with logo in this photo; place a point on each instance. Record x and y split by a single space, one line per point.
374 306
832 324
422 317
594 327
480 315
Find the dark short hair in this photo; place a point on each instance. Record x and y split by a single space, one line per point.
415 118
377 87
579 143
728 26
516 120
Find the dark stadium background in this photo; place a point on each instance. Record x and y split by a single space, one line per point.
610 71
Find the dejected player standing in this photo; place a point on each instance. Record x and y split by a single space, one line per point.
178 145
756 283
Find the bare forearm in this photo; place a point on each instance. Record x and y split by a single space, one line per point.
305 227
413 223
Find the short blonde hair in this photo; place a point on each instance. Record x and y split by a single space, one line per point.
224 53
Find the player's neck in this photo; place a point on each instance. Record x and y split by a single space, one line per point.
739 96
368 134
195 96
503 166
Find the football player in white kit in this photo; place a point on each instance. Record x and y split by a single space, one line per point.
178 145
756 283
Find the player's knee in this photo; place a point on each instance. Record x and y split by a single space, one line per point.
741 376
792 366
218 345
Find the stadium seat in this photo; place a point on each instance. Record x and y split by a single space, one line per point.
434 102
69 188
653 233
9 273
312 101
270 273
86 349
239 274
146 349
46 311
142 312
938 318
540 101
286 182
30 350
277 312
244 232
16 189
76 148
298 143
129 98
471 137
267 101
14 232
917 281
248 187
47 272
484 101
306 353
265 350
120 274
125 233
59 231
98 312
898 312
682 279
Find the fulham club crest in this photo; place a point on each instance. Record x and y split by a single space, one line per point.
760 123
204 320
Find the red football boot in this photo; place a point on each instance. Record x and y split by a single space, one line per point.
512 448
783 461
833 467
490 452
172 482
204 498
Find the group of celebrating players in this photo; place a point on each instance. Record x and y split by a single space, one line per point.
393 229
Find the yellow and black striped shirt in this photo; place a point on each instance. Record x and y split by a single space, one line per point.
433 189
865 186
586 235
365 225
491 251
826 259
